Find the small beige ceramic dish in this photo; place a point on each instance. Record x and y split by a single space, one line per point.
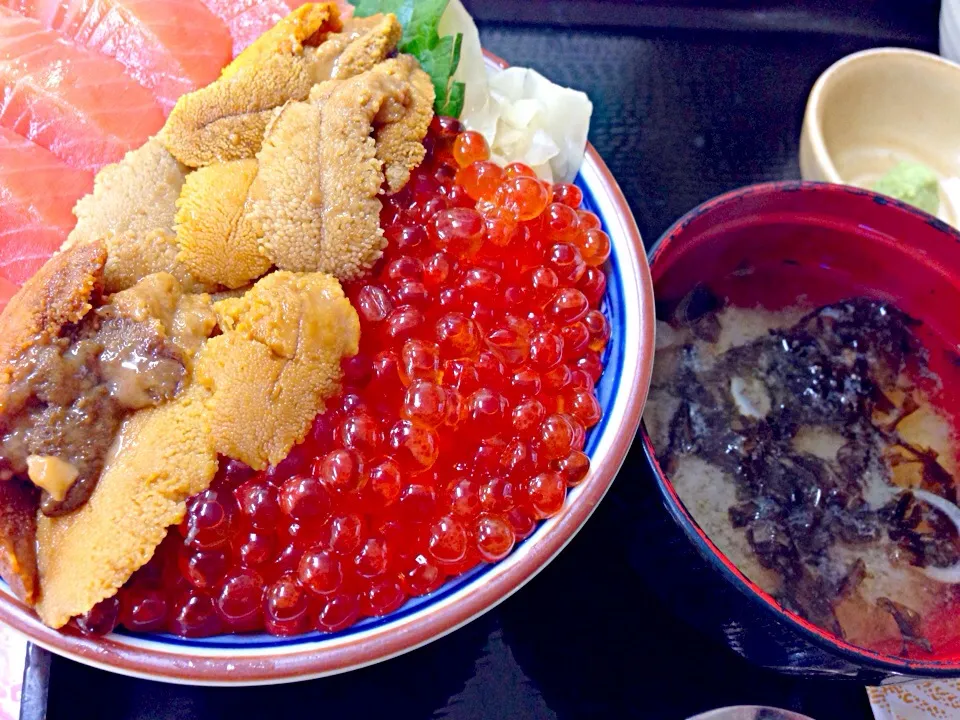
876 108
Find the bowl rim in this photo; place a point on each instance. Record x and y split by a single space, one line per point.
812 115
181 664
701 542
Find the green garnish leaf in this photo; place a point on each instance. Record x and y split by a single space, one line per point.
454 100
421 30
438 56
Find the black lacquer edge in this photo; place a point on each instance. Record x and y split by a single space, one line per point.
704 16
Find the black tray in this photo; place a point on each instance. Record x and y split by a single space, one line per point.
690 100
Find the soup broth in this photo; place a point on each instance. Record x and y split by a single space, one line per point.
808 445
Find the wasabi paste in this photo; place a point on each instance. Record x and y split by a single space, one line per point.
913 183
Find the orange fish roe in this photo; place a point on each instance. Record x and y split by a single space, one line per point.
461 423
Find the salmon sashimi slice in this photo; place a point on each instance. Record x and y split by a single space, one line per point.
169 46
37 194
7 291
76 103
249 19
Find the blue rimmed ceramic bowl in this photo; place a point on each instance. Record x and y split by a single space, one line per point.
261 658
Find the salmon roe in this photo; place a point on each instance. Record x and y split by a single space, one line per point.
460 425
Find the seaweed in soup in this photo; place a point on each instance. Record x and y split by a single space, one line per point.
840 371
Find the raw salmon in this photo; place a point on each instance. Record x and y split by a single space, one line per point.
37 193
7 291
249 19
169 46
75 102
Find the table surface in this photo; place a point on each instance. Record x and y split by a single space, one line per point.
690 99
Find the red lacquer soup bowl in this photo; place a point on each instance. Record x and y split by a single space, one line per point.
775 246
